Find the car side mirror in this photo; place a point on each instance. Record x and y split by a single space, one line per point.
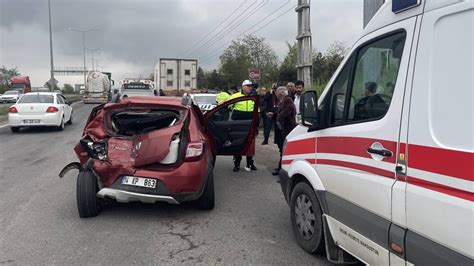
309 109
116 91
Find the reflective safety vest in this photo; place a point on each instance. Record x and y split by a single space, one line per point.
243 106
222 97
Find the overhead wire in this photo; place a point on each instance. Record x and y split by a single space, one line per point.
258 22
237 23
219 49
215 27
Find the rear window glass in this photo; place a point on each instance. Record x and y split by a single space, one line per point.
139 121
36 98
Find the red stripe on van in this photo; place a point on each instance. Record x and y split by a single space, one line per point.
453 163
285 162
361 167
441 188
354 146
301 146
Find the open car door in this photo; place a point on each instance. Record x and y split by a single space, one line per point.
232 130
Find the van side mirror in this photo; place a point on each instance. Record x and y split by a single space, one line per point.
116 91
309 109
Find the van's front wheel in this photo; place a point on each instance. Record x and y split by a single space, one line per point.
306 219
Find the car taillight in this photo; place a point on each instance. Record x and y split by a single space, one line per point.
194 150
52 109
12 109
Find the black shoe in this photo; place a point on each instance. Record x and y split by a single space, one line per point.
276 172
236 168
253 168
264 142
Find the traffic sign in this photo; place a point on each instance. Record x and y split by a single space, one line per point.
254 74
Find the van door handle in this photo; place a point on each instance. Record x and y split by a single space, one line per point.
382 152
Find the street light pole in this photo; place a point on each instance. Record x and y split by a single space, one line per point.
52 83
93 50
84 47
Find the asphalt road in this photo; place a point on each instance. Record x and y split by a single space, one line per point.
40 224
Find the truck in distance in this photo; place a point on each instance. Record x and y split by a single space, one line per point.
97 88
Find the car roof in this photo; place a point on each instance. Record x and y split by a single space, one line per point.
203 94
155 100
42 93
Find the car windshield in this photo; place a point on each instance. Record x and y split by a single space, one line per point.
36 98
17 86
11 93
205 99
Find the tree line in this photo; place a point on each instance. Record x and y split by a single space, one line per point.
253 52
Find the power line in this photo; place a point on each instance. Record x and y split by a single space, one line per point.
219 49
217 26
252 26
235 26
231 25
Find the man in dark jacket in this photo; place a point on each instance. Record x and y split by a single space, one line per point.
285 120
270 112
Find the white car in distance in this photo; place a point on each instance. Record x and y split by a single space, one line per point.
205 101
40 109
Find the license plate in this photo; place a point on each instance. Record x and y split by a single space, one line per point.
31 121
139 181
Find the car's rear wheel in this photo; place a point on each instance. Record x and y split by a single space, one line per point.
306 219
70 120
15 129
61 126
86 194
206 201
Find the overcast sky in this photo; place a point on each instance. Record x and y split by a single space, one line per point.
134 34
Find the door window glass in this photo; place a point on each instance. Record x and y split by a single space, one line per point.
338 95
375 77
59 99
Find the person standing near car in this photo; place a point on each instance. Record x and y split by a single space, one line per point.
285 121
270 110
299 89
243 110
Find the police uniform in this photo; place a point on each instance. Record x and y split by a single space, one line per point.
243 110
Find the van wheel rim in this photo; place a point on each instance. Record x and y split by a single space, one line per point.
305 217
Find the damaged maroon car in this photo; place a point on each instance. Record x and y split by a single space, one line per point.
157 149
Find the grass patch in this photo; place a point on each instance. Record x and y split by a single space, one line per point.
4 110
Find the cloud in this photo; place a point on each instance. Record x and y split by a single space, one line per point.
134 34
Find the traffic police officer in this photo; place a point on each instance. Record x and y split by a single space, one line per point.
243 110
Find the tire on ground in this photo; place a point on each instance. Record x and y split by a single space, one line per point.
206 201
15 129
86 189
315 242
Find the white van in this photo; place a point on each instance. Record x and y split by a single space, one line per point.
382 168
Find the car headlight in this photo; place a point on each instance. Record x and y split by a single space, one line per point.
96 150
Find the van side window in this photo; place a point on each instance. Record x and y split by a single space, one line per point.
59 99
375 77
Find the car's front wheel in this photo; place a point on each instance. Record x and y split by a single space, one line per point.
86 190
306 218
15 129
206 201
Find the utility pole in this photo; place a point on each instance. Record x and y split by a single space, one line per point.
52 82
305 59
84 47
